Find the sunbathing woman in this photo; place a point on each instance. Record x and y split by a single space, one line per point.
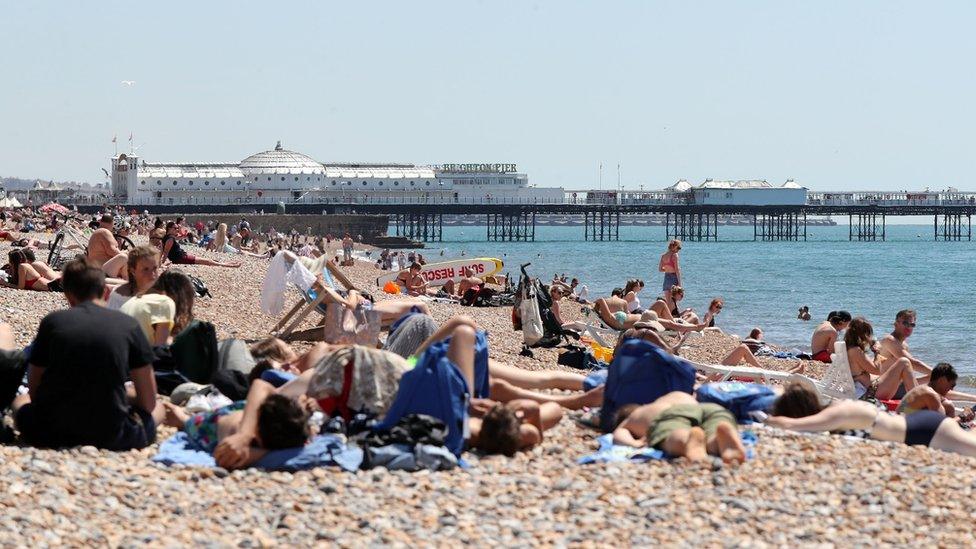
613 312
682 427
631 289
666 307
798 410
24 276
175 253
221 244
869 378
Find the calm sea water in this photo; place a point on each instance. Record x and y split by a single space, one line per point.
764 283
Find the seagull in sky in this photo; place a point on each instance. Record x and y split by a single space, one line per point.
128 82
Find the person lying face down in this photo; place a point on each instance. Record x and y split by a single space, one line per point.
682 427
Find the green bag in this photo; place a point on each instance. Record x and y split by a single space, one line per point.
195 353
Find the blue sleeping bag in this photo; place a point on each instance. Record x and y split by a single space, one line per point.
739 398
641 373
434 387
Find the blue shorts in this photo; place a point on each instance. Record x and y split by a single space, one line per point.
670 279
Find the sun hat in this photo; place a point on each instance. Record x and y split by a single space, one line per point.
649 320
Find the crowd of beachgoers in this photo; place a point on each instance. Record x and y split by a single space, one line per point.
143 328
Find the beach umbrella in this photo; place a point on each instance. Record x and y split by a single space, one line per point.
54 207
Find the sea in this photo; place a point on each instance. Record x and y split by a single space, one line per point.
764 284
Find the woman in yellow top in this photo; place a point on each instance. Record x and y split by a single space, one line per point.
166 309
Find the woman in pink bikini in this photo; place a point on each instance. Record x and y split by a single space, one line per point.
669 265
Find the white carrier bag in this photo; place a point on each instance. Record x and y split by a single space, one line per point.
532 330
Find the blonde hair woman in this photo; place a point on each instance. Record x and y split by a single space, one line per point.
669 265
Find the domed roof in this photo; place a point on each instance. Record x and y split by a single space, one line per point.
280 161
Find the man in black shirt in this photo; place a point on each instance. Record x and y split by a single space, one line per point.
78 366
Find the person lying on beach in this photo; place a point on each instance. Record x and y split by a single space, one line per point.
221 244
19 241
506 382
894 346
682 427
824 337
275 422
26 273
870 378
798 409
79 363
613 312
103 249
755 340
666 307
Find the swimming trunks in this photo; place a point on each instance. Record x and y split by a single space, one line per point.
921 426
29 283
822 356
620 317
201 428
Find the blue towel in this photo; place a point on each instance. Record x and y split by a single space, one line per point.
323 450
610 452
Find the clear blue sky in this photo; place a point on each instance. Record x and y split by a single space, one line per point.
837 95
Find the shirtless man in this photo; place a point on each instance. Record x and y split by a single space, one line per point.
413 281
682 427
104 252
469 281
894 345
824 337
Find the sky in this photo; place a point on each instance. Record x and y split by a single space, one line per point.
836 95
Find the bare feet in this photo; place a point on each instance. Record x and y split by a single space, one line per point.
175 415
695 448
730 446
593 397
798 369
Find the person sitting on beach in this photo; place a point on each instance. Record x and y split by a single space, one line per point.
143 270
175 253
412 281
894 346
824 337
804 313
936 395
666 308
220 244
165 309
682 427
79 363
468 281
871 380
631 289
798 409
26 273
103 249
669 265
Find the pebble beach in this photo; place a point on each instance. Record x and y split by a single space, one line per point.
810 490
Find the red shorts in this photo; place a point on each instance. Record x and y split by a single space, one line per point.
822 356
187 260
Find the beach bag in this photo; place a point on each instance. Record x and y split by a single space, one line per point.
434 387
199 286
532 330
738 397
194 352
580 358
641 373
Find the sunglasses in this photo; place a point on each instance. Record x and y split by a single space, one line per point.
907 324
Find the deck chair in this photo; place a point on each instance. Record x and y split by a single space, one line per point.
838 382
310 301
